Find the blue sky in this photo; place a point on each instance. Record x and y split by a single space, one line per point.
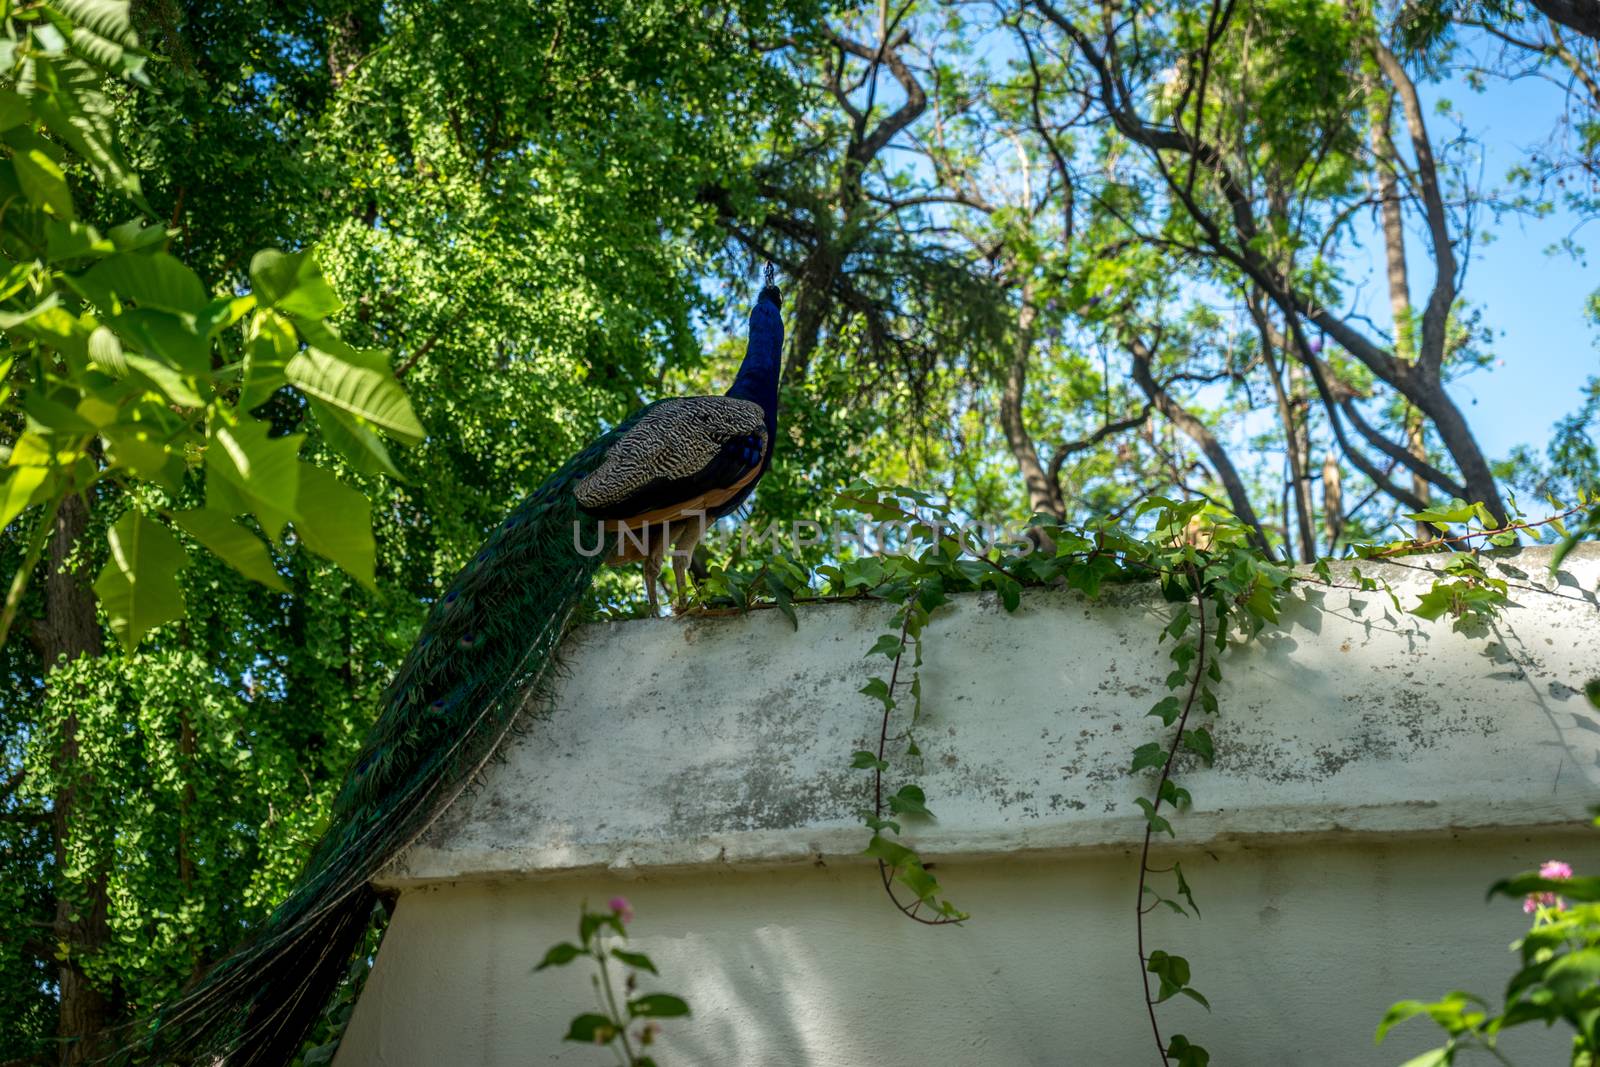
1532 300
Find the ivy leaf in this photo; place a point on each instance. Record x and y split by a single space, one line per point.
1185 1054
1184 890
1200 743
1154 821
864 760
1151 754
138 586
888 645
910 800
879 689
1167 709
878 825
895 855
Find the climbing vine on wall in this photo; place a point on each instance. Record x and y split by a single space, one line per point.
1224 593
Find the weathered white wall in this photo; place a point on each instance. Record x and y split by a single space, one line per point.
1374 775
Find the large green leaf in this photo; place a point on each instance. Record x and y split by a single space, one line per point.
263 472
139 584
17 488
156 280
235 545
269 345
365 388
335 522
43 181
352 438
293 283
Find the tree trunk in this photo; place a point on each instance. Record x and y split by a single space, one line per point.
1197 431
1385 167
70 630
1044 493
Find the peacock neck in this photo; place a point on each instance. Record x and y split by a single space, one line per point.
757 380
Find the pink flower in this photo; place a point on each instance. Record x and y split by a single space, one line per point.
1555 871
622 909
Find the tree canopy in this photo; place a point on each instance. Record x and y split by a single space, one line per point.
299 299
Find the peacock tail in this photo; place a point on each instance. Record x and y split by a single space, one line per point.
487 647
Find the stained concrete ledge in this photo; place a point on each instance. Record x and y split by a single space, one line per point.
726 742
1375 773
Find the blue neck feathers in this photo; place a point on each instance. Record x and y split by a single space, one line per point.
758 374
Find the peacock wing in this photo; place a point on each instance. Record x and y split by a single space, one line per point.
680 452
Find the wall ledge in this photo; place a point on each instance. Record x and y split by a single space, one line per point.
726 742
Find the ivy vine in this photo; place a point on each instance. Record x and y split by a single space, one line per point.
1225 592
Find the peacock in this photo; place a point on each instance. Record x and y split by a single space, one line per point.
656 480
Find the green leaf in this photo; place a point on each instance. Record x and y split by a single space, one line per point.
17 488
878 825
263 471
366 389
1199 742
138 586
1167 709
1150 754
233 544
1184 890
165 379
888 645
353 439
637 960
895 855
105 352
864 760
167 336
293 283
1436 1057
657 1006
269 345
591 1029
878 688
910 800
335 521
1185 1054
42 179
1154 821
560 955
156 280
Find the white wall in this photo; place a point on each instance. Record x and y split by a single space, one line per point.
1374 775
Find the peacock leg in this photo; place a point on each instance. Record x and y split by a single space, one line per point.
683 546
652 567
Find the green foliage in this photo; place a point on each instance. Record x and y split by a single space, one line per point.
1557 981
132 379
619 1009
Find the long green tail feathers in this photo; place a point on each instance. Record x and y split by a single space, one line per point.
488 645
